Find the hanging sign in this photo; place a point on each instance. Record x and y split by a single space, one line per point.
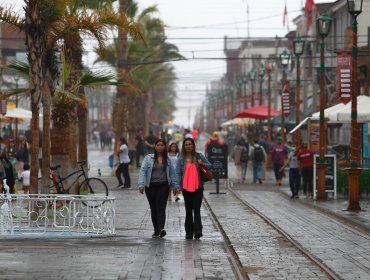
285 100
3 103
344 76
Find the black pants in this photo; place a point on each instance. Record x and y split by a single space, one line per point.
307 176
123 169
157 195
278 174
138 155
193 202
294 180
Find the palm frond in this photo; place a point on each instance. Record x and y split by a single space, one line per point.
19 66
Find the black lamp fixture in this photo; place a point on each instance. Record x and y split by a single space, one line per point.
324 24
285 58
354 7
298 45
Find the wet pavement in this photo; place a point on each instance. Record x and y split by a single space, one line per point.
241 243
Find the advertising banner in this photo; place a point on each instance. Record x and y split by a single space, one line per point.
344 76
285 100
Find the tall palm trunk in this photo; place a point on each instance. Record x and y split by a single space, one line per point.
119 123
48 90
35 44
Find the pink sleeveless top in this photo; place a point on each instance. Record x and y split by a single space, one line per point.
190 182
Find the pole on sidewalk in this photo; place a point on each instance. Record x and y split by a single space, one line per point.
217 180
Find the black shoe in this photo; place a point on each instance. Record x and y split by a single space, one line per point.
198 235
119 186
162 233
189 236
296 196
293 196
260 181
155 235
177 199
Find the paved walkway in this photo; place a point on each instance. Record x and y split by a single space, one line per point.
131 254
263 252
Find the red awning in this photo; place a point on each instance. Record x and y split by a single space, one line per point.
259 113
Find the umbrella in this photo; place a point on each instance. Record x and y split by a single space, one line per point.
259 113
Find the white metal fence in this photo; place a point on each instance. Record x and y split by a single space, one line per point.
56 215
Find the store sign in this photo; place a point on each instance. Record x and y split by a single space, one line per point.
3 104
285 100
344 76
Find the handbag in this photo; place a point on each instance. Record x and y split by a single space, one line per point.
207 175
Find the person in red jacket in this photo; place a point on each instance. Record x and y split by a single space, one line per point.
305 158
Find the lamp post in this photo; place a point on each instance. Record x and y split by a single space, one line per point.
261 74
354 8
298 49
268 70
16 78
323 27
252 77
284 60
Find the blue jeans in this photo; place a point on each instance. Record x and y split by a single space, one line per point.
244 169
257 171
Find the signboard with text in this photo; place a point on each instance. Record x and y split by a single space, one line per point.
285 100
344 76
330 175
217 156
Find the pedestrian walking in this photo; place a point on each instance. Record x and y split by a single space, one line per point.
23 155
191 182
263 142
149 142
244 159
124 161
155 178
294 174
213 141
240 156
258 155
25 178
305 158
278 154
173 155
139 149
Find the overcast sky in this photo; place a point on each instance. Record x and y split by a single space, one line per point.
198 27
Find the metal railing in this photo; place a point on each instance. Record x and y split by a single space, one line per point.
56 215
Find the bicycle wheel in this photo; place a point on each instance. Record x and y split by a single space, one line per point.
93 186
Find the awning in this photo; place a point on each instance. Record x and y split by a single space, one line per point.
259 113
239 122
341 113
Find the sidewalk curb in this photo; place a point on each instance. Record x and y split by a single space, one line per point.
346 220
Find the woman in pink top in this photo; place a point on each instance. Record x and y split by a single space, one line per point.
191 183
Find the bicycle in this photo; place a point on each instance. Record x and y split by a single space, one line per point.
89 186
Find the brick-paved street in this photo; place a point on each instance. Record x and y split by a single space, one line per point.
262 251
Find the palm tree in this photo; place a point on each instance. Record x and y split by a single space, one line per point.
49 16
145 75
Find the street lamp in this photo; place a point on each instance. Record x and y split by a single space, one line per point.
298 49
252 76
268 70
354 8
323 28
261 75
284 60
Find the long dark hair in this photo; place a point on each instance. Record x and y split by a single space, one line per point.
164 155
123 141
183 152
170 146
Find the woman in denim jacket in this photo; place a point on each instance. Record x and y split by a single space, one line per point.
155 178
191 182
